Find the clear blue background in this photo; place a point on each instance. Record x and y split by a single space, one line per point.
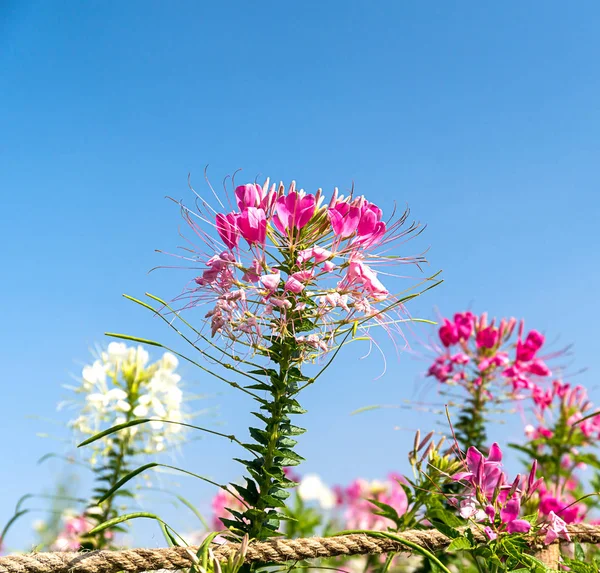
483 117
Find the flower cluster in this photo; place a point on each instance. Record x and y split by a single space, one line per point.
476 352
224 501
283 256
560 501
122 385
492 362
563 401
490 498
562 437
357 509
73 533
310 488
351 504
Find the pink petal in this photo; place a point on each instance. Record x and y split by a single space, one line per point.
490 533
510 511
518 526
495 453
474 459
294 285
271 281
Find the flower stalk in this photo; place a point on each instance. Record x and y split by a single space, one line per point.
490 364
118 388
288 277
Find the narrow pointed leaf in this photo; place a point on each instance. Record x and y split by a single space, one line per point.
134 339
125 479
124 518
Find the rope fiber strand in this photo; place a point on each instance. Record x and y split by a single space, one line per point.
272 551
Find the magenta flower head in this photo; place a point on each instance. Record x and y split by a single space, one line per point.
527 350
488 494
464 324
448 333
362 275
484 474
293 211
250 195
303 255
252 223
555 528
489 361
370 219
306 280
359 512
509 515
487 338
228 230
344 219
370 228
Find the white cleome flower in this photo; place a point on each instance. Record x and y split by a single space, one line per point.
169 361
312 488
123 385
94 375
117 352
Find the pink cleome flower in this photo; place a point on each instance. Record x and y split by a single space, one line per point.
475 350
75 527
297 255
359 512
488 493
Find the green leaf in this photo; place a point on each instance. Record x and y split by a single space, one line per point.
295 408
261 386
264 372
292 430
257 448
123 518
112 430
303 325
250 494
386 510
193 509
261 436
171 540
11 522
459 544
513 549
273 523
526 450
531 518
288 454
261 417
134 338
137 422
296 374
271 501
125 479
445 529
284 442
444 516
281 494
230 524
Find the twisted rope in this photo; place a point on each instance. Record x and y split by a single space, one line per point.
272 551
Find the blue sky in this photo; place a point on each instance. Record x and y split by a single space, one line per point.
483 118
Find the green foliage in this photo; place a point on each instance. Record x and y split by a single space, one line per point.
470 427
580 563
